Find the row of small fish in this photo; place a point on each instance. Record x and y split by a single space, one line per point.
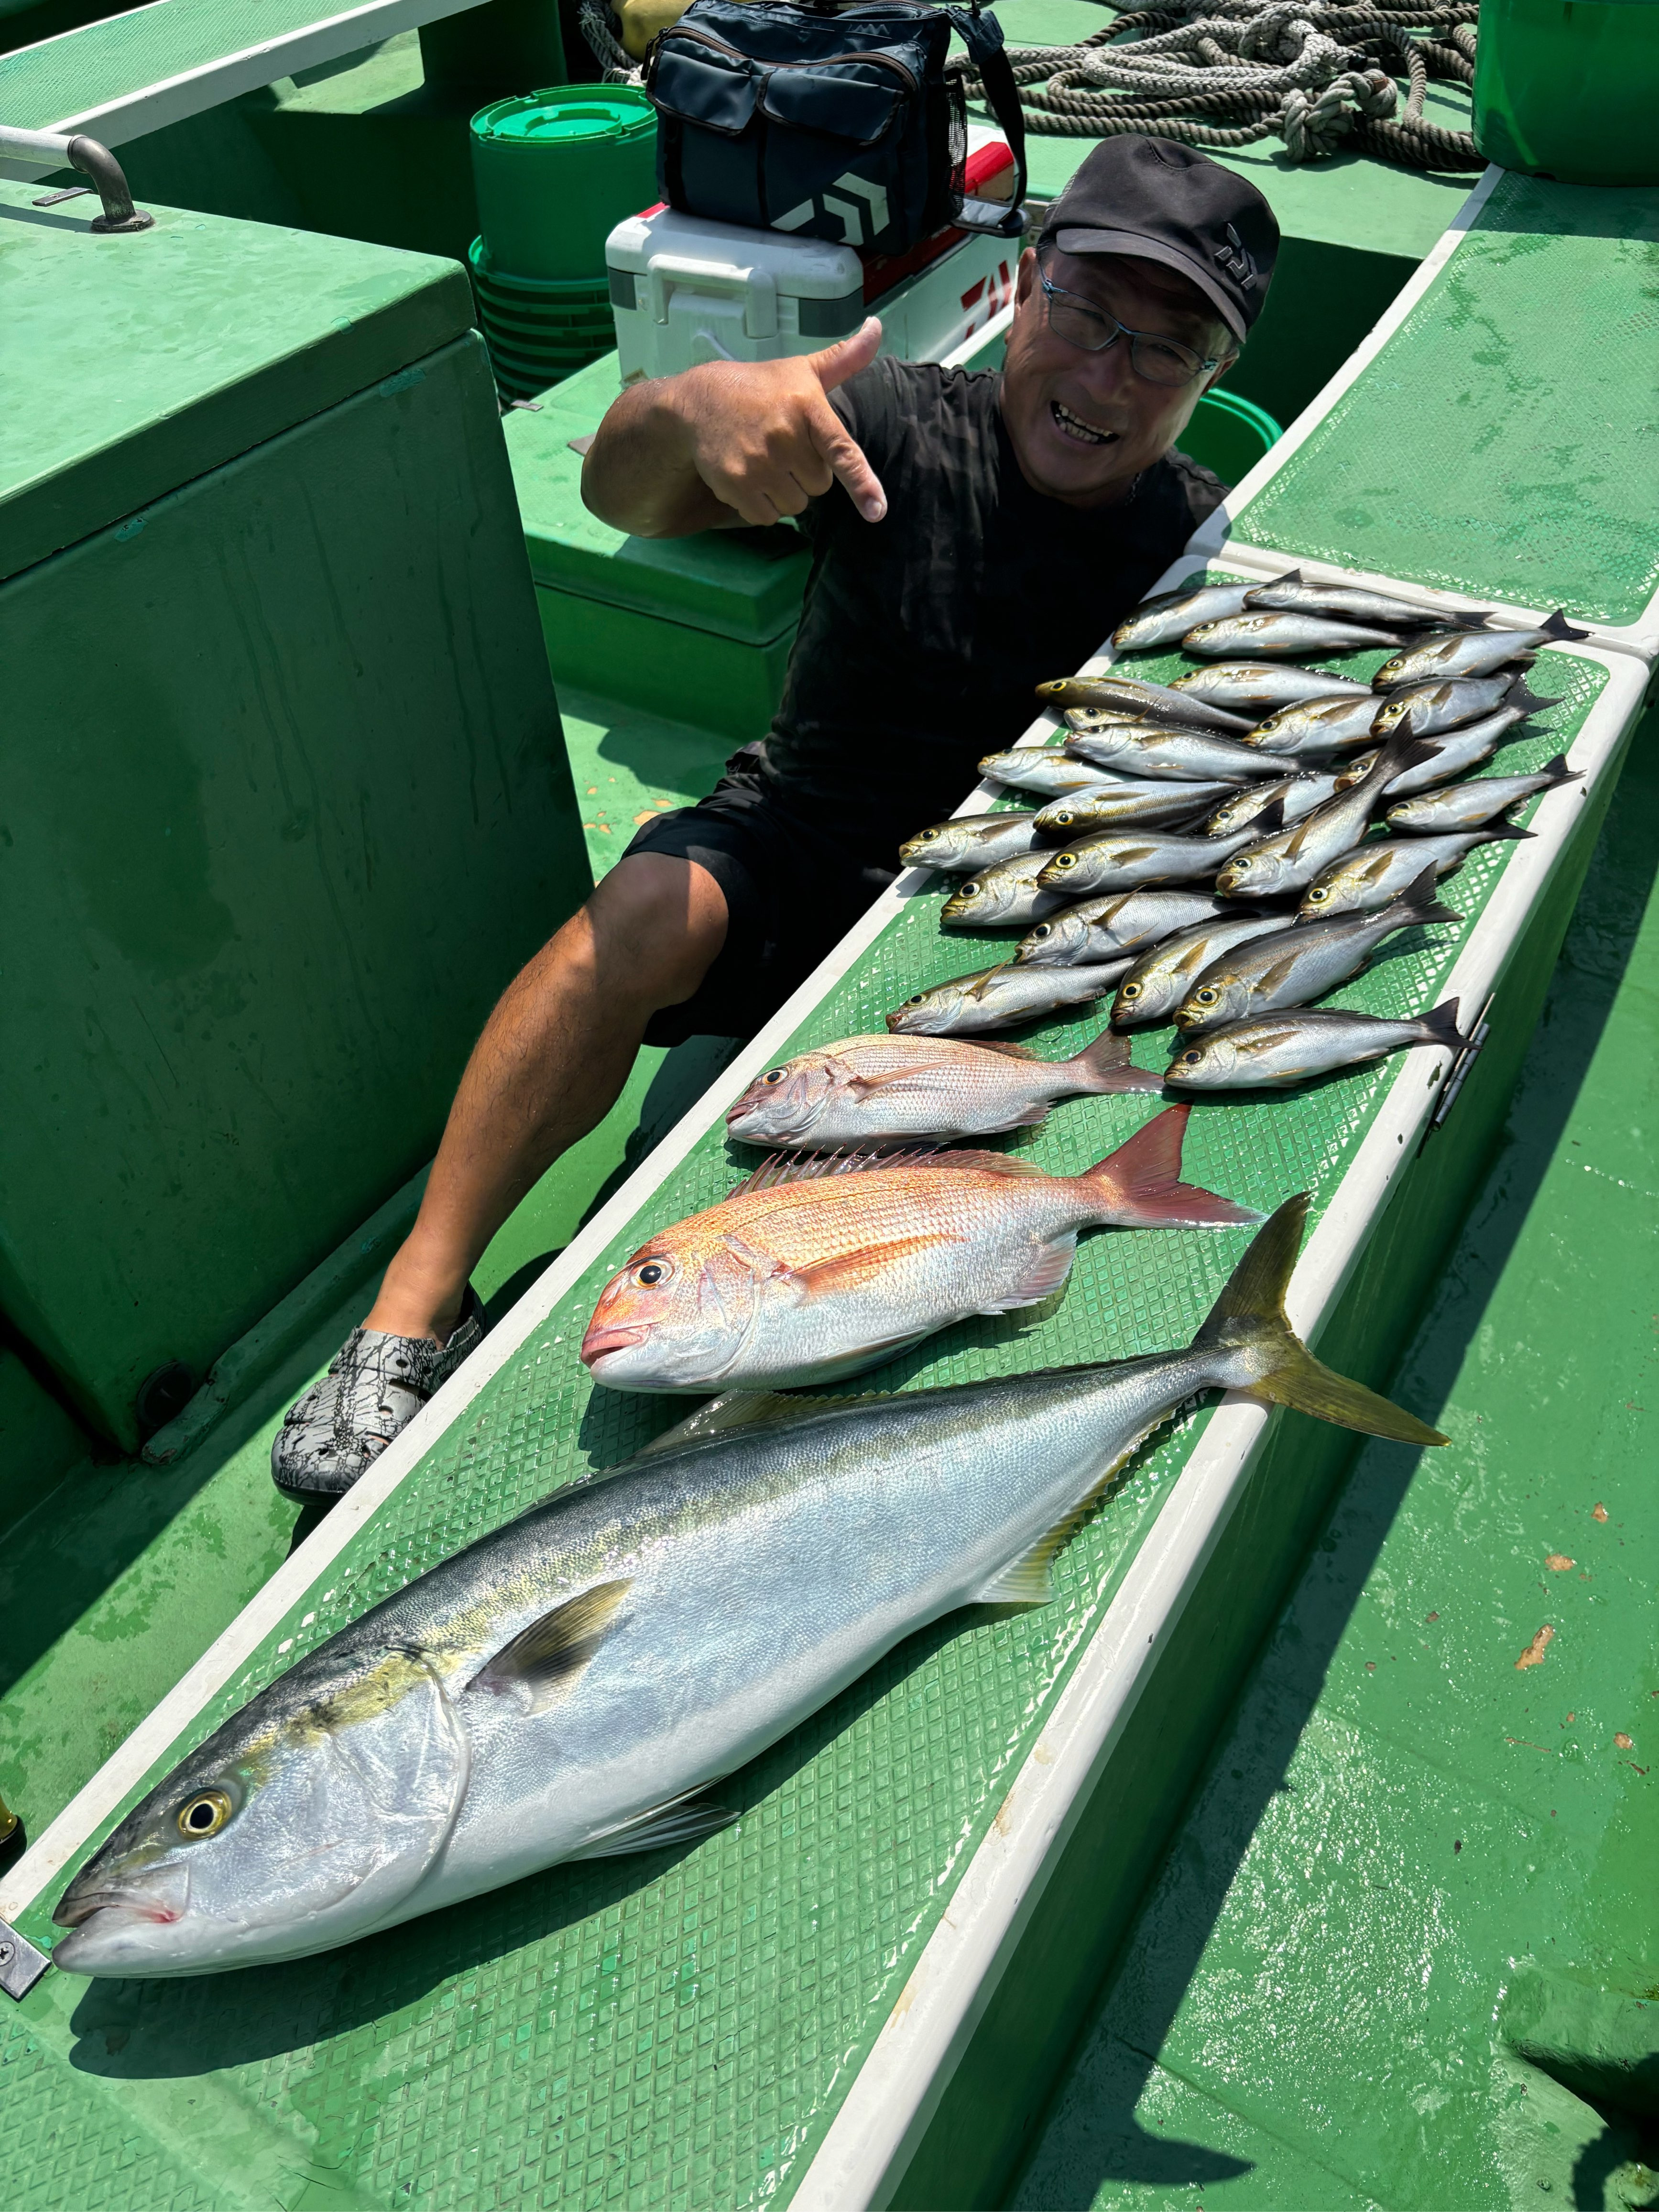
1290 618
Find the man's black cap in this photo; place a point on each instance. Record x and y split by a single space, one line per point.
1158 201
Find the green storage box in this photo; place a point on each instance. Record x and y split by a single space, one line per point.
286 801
1570 88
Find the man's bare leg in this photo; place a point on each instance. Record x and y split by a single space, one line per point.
551 1063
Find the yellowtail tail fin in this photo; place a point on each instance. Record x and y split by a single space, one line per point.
1249 1319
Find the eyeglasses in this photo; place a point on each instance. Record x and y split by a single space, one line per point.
1159 359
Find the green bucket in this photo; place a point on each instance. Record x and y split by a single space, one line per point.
1570 88
1229 435
556 171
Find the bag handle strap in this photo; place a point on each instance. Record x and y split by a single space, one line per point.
982 36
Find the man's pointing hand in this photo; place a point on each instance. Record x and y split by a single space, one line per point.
764 438
747 441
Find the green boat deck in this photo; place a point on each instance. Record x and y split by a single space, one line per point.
1401 1950
1311 2007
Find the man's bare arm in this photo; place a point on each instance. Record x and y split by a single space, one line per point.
731 442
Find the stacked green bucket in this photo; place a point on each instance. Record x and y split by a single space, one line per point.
555 172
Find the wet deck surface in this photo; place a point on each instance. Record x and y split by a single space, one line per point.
1406 1834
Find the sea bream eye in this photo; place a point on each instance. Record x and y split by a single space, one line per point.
775 1075
653 1273
204 1815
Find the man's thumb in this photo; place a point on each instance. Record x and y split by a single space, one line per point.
837 362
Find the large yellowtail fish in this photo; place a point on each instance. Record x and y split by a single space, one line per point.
574 1684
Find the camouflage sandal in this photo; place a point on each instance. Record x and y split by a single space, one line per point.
375 1386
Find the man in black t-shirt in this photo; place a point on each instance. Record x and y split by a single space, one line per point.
972 535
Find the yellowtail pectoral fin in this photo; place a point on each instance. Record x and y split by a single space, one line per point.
686 1819
543 1660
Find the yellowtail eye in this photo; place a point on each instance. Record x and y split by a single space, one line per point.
970 889
1044 929
917 1000
653 1273
1064 860
1207 996
1190 1058
204 1815
1317 896
1063 821
924 837
1130 991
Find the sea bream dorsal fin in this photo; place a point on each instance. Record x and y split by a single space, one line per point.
998 1044
541 1661
812 1167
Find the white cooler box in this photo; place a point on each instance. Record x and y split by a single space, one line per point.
686 291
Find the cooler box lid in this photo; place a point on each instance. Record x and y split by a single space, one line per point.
140 361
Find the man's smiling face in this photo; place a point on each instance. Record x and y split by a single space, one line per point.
1084 425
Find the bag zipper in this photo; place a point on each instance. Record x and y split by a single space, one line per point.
700 37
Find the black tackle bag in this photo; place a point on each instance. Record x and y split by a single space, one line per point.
841 126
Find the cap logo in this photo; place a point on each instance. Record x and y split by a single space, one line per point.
1234 258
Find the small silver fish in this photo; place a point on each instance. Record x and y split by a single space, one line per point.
1295 796
1161 979
998 998
1453 652
1457 752
862 1090
1319 725
1377 871
1002 896
1043 769
1195 756
1121 805
970 841
1302 964
1429 709
1269 1051
1100 929
1118 863
1259 686
1471 805
1353 603
1163 620
1106 718
1287 859
1289 635
1153 703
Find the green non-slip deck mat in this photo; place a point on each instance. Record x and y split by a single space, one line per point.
675 2031
85 69
1504 442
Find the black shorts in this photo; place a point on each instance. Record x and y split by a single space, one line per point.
792 890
